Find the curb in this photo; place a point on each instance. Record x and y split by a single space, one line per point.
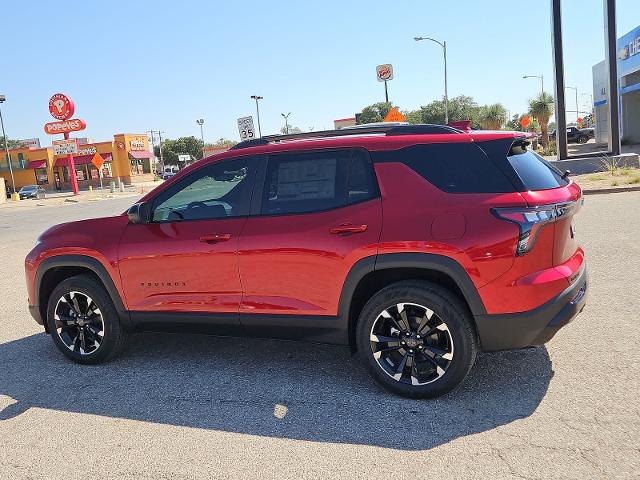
611 190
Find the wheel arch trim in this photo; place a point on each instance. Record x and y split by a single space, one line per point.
90 263
415 260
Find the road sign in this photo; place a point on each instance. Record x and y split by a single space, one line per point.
61 107
66 126
184 158
65 147
384 72
98 161
30 142
524 122
394 115
245 127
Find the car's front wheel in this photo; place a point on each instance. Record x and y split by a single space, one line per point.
416 339
83 321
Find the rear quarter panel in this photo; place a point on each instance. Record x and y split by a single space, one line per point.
419 217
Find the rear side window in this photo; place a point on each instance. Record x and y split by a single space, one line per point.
452 167
314 182
534 171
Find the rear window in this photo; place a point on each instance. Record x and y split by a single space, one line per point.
534 171
452 167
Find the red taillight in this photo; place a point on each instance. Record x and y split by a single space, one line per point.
531 220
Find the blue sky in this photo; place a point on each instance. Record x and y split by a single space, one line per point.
133 66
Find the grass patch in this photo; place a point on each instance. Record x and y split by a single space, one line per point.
595 178
614 183
633 180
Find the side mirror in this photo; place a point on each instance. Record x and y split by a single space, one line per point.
139 213
566 174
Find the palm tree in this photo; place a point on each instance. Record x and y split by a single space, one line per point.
493 117
541 108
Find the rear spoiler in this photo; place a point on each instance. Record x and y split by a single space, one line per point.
464 125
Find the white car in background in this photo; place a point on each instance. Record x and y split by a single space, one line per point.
169 171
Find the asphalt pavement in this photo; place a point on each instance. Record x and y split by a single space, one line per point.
186 406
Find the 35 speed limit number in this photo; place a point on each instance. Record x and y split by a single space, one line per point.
245 127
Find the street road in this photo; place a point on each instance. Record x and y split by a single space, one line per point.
181 406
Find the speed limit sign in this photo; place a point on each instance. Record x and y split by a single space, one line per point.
245 127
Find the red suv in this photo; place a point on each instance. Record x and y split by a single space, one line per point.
418 246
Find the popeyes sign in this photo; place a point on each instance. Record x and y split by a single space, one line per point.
61 108
73 125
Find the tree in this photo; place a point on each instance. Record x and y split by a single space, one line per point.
461 107
292 129
374 113
221 142
413 116
181 146
541 108
10 143
492 117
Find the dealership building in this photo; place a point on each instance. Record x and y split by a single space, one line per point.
127 157
628 48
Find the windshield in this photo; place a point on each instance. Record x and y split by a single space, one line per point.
28 188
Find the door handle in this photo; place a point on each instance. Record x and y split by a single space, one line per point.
347 228
215 237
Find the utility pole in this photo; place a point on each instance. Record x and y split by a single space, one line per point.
256 98
6 149
286 122
153 144
160 141
446 93
200 122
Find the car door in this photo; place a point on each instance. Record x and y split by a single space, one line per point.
184 260
319 213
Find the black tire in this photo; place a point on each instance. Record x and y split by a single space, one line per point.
458 337
583 139
113 337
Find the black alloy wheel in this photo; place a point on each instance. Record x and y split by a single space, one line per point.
417 339
83 320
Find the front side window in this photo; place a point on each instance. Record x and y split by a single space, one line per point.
314 182
220 190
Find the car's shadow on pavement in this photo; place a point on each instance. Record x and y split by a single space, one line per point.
270 388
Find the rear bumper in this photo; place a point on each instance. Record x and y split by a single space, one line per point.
534 327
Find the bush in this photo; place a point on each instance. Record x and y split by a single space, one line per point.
551 150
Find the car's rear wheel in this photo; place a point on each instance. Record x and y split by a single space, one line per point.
83 321
583 139
417 339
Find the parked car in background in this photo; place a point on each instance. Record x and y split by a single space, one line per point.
31 191
416 245
576 135
169 171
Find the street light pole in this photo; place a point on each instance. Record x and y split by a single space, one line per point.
590 95
6 149
256 98
286 121
539 77
446 93
577 108
200 122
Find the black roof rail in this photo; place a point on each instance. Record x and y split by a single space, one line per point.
390 130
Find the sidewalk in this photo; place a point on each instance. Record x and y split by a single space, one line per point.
67 197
